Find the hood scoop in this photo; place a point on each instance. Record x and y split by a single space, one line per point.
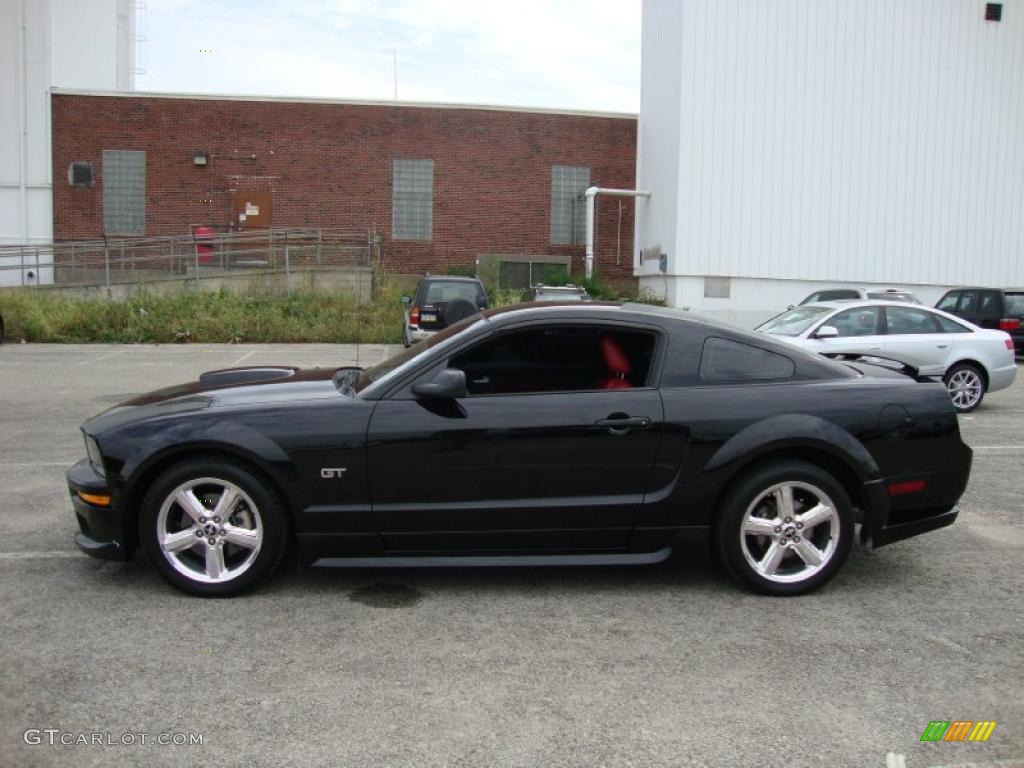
233 377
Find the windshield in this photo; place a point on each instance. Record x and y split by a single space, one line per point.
794 322
384 370
438 292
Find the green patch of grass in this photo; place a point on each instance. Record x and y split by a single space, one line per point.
224 316
44 316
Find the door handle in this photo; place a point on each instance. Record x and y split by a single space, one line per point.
874 349
623 425
942 346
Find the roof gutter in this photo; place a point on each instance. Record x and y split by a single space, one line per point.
591 195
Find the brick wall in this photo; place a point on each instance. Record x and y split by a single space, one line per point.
330 165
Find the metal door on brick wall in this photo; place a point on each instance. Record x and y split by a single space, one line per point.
252 209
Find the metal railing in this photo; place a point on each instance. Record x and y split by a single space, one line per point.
128 260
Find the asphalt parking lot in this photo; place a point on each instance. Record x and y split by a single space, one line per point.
671 665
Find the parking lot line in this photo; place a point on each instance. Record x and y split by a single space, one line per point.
102 357
53 554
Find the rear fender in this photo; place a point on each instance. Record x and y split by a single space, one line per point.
795 430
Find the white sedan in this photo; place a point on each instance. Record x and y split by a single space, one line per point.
970 360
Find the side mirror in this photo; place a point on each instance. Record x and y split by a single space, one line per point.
448 384
826 332
407 299
790 307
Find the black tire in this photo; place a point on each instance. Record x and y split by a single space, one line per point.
268 518
832 537
973 385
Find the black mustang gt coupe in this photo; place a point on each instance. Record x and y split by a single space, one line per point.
528 435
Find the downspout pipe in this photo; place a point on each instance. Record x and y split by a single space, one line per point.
591 195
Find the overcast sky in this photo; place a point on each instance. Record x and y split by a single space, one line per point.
579 54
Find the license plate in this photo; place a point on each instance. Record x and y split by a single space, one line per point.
424 318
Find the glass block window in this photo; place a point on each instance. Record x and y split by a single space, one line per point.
568 206
124 192
412 213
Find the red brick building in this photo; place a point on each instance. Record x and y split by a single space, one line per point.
443 185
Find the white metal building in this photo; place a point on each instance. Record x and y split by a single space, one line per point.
794 144
45 43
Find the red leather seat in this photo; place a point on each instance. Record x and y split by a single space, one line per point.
617 366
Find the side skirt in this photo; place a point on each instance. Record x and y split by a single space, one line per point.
476 561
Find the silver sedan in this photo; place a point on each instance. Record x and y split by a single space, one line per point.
970 360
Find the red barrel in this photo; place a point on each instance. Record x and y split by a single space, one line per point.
204 251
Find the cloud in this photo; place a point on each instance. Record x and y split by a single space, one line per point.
558 53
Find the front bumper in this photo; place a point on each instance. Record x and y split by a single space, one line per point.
101 531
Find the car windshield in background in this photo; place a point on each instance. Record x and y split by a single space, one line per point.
1015 304
839 294
438 292
892 296
382 370
794 322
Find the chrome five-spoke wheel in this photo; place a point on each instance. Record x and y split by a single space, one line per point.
209 530
785 527
213 526
790 532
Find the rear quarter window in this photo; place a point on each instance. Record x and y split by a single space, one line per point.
725 361
1015 304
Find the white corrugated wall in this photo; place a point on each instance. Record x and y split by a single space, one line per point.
875 141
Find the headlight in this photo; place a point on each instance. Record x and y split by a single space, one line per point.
93 451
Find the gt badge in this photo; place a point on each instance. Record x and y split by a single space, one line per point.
332 473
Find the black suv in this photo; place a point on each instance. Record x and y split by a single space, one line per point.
999 308
439 302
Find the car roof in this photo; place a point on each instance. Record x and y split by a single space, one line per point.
851 303
983 288
451 279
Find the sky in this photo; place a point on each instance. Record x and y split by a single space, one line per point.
562 54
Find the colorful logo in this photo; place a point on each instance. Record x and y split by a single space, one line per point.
958 730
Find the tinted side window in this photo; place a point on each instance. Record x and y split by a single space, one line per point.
558 358
731 361
990 305
862 321
968 301
948 302
906 320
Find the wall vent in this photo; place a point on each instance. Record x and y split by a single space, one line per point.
80 175
993 11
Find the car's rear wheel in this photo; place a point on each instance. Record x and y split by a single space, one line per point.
213 527
966 387
785 528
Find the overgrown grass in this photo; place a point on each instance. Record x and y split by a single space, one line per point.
224 316
40 316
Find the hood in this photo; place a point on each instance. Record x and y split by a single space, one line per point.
223 388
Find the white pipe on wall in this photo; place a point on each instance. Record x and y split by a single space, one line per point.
591 194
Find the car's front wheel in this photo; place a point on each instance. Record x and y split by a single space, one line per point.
966 387
212 527
785 528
